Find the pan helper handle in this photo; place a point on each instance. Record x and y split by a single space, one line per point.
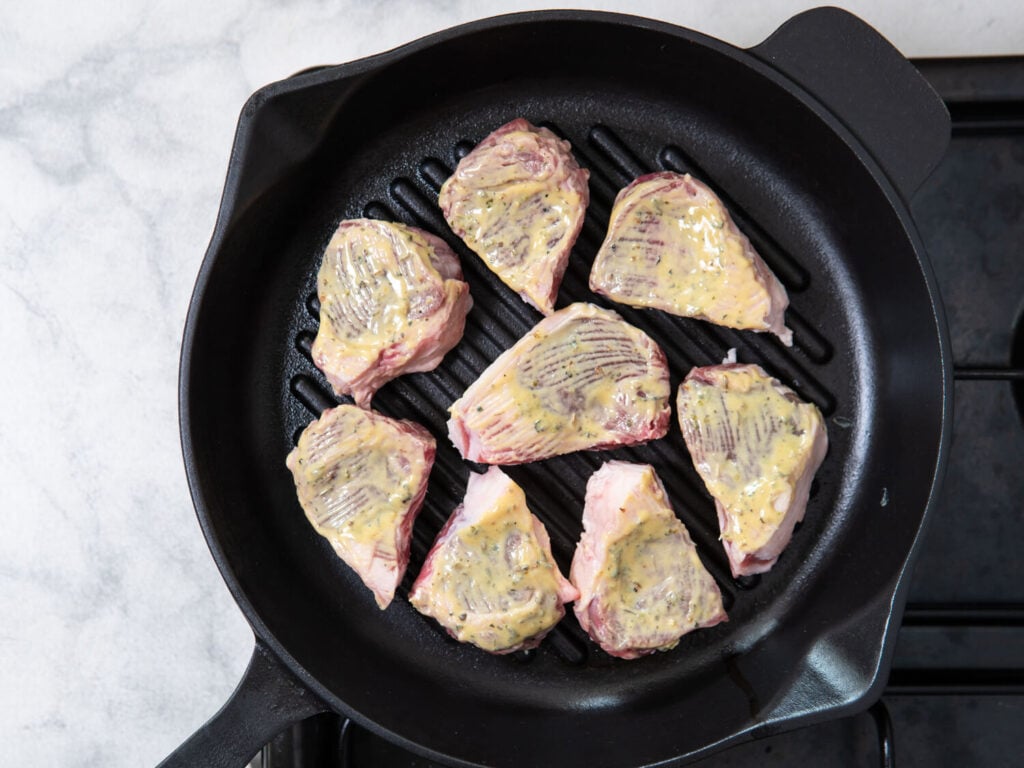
869 85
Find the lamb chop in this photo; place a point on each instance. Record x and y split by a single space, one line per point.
392 301
642 585
757 446
671 245
517 201
490 579
583 378
361 479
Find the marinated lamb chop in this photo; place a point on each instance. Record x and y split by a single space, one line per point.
671 245
642 585
392 301
490 579
757 446
361 479
583 378
517 201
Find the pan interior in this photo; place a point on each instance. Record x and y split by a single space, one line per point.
631 101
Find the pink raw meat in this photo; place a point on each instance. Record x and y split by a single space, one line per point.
756 446
583 378
361 479
490 578
392 301
642 585
672 245
518 200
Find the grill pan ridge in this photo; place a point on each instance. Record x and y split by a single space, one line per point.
805 641
554 486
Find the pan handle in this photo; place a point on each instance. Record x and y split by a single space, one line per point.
267 700
869 86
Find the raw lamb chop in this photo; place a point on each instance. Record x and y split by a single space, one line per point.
757 446
490 579
361 479
392 301
583 378
517 201
671 245
642 585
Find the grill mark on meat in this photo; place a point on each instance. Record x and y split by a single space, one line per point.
678 233
756 446
391 301
338 509
581 379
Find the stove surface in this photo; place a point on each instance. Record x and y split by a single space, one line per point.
956 693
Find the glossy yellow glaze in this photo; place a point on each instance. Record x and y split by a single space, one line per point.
493 584
680 253
645 585
572 380
512 228
375 281
355 482
510 202
773 432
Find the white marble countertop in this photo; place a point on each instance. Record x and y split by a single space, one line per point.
117 635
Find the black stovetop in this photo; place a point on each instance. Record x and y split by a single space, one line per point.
956 692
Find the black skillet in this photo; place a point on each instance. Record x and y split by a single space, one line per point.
816 139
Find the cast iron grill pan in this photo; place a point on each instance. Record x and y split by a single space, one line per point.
805 640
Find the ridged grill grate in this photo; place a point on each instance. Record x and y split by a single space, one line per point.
499 318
